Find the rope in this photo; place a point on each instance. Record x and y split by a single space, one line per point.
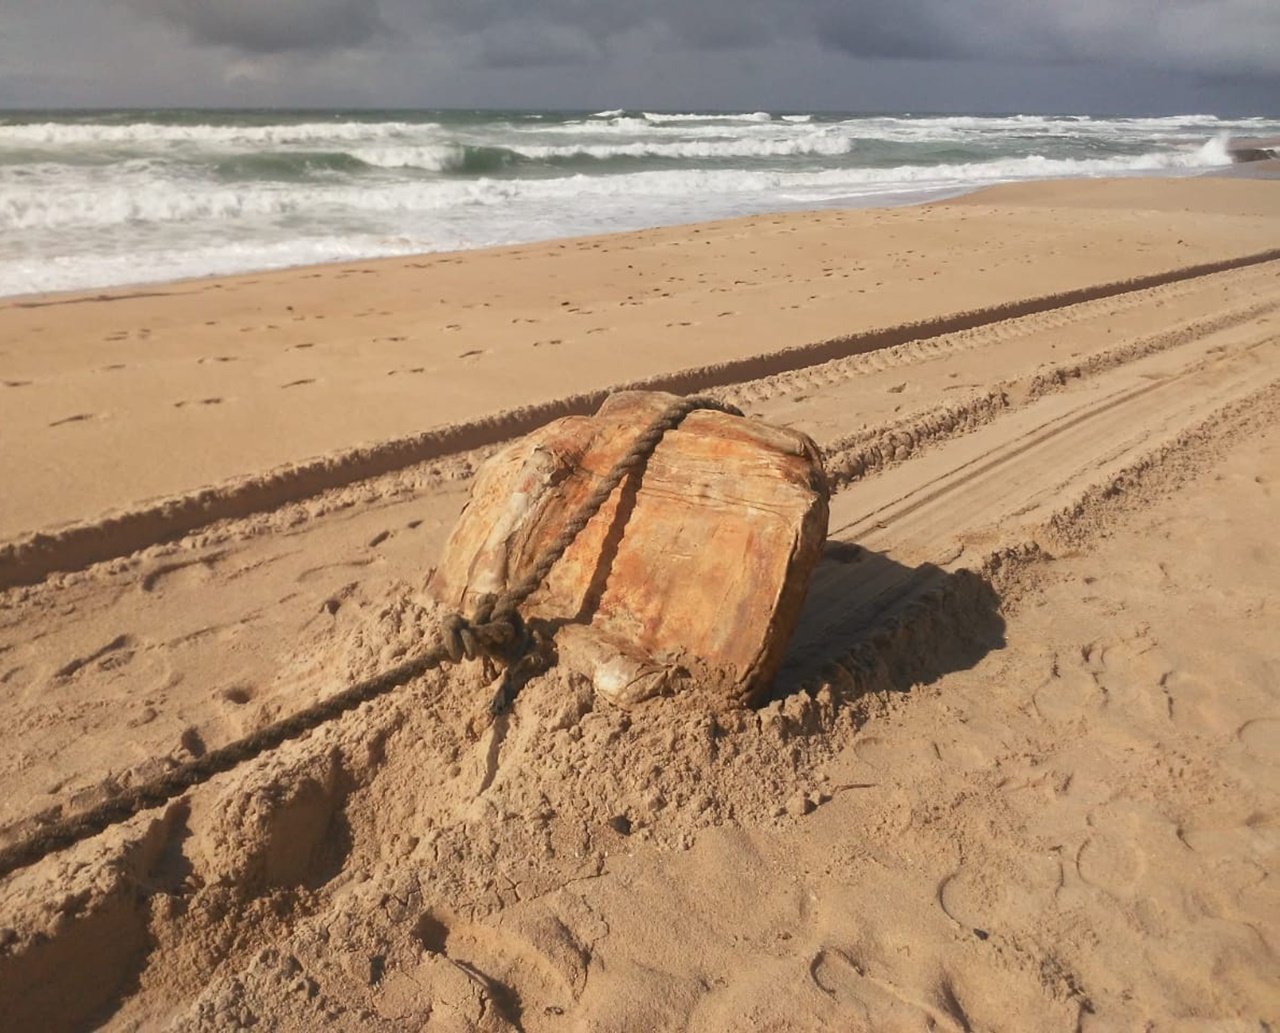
496 630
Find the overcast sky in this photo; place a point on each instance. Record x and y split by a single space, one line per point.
1122 56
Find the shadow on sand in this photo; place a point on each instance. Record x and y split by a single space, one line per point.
919 623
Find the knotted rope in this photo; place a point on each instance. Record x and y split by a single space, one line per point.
496 630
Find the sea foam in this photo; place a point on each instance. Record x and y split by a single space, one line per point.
92 200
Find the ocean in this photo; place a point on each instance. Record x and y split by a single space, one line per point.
98 198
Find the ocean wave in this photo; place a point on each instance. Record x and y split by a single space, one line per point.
813 143
35 206
480 160
466 159
100 201
288 165
75 134
751 116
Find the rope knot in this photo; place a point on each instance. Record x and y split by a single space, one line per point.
501 635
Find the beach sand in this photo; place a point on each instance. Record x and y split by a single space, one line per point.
1020 770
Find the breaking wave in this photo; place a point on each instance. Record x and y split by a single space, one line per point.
117 203
96 199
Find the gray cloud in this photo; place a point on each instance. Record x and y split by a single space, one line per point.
1183 35
272 26
531 44
1141 56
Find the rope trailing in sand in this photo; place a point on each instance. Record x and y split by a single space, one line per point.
496 631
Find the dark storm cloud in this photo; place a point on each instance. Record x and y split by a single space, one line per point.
1187 35
272 26
1059 55
1215 36
530 44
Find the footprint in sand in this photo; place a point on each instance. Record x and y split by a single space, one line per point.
537 965
983 901
323 570
15 383
1261 737
1135 674
474 352
298 383
844 978
891 754
1126 837
192 742
79 417
198 401
1068 695
217 358
194 571
115 653
238 694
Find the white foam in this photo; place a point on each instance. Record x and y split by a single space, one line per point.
71 272
78 134
432 157
149 201
91 204
820 143
752 116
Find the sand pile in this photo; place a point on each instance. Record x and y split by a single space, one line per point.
414 866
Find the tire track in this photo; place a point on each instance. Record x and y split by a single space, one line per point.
32 558
996 488
942 611
850 458
1242 288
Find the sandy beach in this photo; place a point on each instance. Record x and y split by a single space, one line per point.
1019 770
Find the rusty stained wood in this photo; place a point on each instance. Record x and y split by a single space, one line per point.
694 571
